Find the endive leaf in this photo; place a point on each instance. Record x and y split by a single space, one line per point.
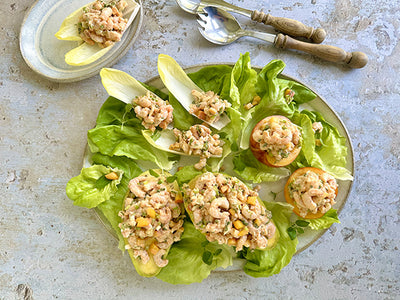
69 30
120 85
85 54
181 86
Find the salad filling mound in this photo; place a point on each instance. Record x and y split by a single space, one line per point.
153 111
208 106
198 141
151 218
277 136
227 211
313 192
102 23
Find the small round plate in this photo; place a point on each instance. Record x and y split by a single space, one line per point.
318 104
44 53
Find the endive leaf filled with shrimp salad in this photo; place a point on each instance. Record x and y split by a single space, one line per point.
97 26
156 145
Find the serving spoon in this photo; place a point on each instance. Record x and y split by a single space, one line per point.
220 27
285 25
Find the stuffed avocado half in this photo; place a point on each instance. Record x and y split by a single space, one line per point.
152 220
227 211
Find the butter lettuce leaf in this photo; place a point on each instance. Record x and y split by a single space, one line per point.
329 154
185 259
325 221
249 168
112 206
265 263
90 187
119 133
271 87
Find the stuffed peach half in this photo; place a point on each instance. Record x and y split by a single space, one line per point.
311 191
227 211
275 141
152 220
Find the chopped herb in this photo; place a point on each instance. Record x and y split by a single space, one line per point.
207 257
171 179
154 173
218 251
302 223
205 243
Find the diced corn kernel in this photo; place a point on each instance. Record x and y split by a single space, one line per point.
243 232
252 200
256 100
232 211
212 111
257 222
151 212
318 142
142 222
247 243
238 224
248 106
153 249
232 242
111 176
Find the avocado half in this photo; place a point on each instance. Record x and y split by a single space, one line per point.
150 269
271 241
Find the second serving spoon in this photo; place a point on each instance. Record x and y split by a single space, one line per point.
285 25
220 27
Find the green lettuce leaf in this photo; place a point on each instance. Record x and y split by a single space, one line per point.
90 188
119 133
331 155
325 221
271 88
187 261
112 206
185 174
269 262
249 168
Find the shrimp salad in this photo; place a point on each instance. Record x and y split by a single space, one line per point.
102 23
227 211
153 111
208 106
152 218
198 141
313 192
277 136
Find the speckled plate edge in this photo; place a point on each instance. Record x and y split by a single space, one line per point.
122 50
343 130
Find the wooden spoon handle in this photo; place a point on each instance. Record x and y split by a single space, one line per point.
331 53
290 26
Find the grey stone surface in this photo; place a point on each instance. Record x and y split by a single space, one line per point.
52 249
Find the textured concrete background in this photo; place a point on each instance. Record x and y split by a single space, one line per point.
51 249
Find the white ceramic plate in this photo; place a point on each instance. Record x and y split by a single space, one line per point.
320 105
44 53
